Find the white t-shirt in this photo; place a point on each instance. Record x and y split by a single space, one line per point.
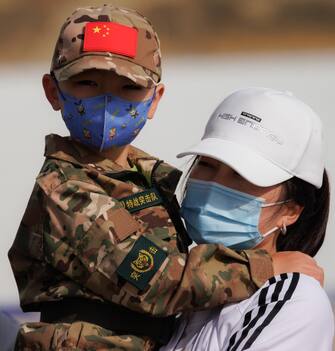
289 312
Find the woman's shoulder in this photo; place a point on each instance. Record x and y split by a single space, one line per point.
309 288
288 289
294 288
294 296
287 311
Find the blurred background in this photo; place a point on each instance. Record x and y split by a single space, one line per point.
210 48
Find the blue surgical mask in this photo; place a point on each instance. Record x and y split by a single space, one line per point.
104 121
216 214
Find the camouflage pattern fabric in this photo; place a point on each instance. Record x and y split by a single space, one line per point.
76 234
76 336
70 59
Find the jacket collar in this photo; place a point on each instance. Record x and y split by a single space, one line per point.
157 173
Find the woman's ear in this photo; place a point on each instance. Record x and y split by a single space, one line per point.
290 215
51 92
160 88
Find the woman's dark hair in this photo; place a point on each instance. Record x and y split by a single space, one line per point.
308 232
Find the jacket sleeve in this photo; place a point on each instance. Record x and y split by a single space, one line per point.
90 238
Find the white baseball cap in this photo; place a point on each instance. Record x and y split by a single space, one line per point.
267 136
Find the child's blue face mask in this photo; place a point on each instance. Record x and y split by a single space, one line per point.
216 214
104 121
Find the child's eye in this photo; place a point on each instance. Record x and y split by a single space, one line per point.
131 87
87 82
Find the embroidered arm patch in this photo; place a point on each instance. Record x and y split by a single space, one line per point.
141 263
139 201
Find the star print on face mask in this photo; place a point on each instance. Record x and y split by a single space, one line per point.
132 111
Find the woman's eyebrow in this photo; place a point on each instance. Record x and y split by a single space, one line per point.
206 163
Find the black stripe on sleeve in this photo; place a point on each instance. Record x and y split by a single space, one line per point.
274 311
247 319
278 289
248 324
232 341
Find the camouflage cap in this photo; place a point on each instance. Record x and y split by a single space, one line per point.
69 57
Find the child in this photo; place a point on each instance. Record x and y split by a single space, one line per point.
101 246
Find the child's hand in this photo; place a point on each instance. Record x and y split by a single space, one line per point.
295 261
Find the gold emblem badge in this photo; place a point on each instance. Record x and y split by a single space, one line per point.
143 263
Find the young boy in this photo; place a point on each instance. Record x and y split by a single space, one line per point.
101 250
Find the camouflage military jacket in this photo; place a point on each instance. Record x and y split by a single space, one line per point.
94 230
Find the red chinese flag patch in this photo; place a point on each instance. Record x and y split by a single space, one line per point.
112 37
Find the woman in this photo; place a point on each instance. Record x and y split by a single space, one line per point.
259 181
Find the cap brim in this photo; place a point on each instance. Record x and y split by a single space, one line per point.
121 66
249 164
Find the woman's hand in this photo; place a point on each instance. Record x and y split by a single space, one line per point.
295 261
